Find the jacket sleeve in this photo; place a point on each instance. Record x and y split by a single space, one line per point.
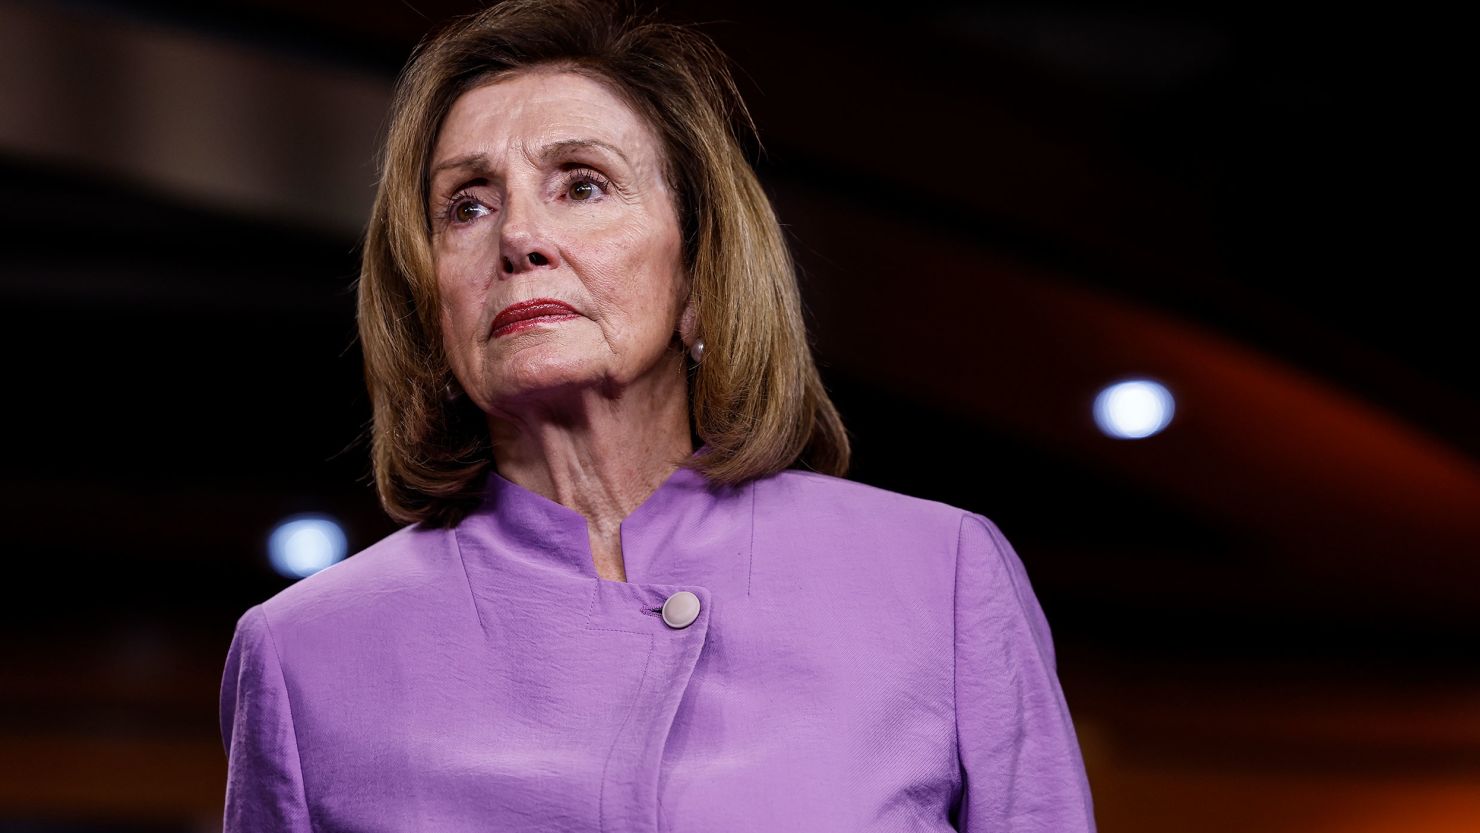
1021 767
264 780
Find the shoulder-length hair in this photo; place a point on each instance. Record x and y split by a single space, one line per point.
756 400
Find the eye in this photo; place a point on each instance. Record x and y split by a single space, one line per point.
585 185
465 208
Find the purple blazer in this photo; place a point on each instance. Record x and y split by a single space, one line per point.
859 660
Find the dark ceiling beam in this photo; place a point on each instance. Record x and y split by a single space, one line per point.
203 119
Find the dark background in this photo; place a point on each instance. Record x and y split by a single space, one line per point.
1266 616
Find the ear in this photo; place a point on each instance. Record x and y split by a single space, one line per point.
688 323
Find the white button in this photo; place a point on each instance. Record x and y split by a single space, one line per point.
681 609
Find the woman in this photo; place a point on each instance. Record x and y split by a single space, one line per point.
634 591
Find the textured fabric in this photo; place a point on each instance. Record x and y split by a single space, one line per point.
862 661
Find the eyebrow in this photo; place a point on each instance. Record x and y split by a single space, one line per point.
479 161
568 145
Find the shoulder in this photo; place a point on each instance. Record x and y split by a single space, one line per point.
405 568
837 506
814 491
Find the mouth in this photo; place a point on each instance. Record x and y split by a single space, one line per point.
531 313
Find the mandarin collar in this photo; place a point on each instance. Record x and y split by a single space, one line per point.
688 529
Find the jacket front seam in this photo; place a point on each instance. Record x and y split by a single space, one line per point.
473 597
616 741
750 556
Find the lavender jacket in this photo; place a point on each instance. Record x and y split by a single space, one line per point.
860 660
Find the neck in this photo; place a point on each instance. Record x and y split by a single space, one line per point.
597 452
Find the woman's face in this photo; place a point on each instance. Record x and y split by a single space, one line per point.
546 185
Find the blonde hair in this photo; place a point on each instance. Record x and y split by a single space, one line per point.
756 400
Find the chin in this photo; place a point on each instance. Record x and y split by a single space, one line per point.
539 379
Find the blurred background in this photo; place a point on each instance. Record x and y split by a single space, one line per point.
1263 576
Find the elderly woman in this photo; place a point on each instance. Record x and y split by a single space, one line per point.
633 591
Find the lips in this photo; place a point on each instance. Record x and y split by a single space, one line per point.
535 308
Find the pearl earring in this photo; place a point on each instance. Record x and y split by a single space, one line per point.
697 351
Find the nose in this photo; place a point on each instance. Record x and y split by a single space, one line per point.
524 241
535 258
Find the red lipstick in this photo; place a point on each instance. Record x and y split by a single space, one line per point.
526 314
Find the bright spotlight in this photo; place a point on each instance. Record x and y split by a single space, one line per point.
305 544
1133 409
